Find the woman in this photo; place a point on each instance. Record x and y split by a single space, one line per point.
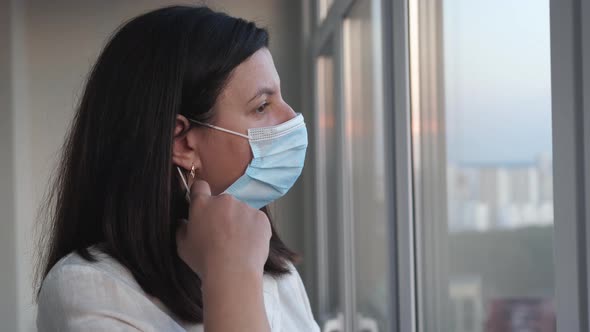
158 213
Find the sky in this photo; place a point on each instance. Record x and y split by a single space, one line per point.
497 80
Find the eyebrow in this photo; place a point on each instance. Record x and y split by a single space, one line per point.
263 91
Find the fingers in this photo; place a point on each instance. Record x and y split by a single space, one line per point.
200 188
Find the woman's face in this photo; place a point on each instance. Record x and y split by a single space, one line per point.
251 99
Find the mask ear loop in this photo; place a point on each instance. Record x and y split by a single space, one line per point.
220 129
187 193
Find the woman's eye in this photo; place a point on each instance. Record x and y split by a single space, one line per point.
261 108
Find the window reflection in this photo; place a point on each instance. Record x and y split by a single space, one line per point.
330 222
323 8
366 156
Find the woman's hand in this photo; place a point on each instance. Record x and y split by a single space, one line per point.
223 234
226 242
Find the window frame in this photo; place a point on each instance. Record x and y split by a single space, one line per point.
398 156
429 187
570 80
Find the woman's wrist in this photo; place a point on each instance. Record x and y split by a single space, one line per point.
234 298
231 275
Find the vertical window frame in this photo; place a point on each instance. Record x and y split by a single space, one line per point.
570 78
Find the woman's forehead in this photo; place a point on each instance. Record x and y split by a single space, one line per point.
253 75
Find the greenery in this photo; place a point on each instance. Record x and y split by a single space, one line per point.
511 263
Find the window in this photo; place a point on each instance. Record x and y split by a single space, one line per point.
365 155
354 257
440 127
323 8
481 121
328 192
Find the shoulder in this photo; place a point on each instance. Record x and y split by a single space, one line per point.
292 280
73 264
292 290
296 313
73 272
77 293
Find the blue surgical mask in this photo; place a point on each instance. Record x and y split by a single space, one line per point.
278 158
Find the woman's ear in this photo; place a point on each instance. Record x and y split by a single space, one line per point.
185 145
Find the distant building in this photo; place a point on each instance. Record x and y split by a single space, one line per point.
491 196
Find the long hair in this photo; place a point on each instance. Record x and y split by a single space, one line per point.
115 186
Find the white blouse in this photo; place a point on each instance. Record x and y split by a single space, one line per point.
78 295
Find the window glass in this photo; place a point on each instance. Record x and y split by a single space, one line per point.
481 113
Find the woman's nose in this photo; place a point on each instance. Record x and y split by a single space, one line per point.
287 114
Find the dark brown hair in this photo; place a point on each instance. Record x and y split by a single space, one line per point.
115 185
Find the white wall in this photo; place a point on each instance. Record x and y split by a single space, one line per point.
46 50
8 307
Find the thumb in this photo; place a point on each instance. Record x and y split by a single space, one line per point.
200 188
